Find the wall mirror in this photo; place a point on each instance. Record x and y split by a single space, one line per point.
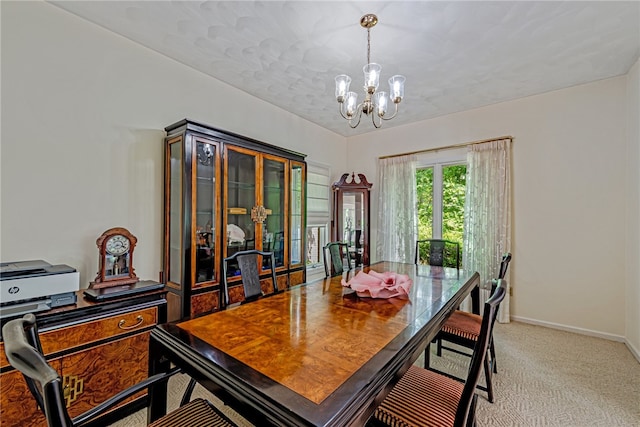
351 216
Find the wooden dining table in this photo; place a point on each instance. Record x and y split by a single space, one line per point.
315 355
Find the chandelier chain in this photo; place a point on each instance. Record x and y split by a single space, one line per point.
368 45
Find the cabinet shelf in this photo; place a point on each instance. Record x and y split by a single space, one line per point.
241 185
205 179
236 211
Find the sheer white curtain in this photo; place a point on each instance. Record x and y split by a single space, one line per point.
488 213
397 222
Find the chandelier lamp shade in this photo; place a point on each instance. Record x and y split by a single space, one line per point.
375 102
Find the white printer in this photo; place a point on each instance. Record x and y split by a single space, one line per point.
31 286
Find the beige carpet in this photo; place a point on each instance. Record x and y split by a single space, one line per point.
545 377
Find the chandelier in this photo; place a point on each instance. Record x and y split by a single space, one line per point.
375 103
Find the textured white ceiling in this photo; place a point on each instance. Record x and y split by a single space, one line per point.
455 55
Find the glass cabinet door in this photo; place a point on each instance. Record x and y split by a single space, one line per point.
174 208
274 201
297 214
206 178
240 196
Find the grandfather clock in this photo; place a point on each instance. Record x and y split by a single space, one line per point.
351 215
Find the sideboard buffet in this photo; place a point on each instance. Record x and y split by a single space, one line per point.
226 193
99 349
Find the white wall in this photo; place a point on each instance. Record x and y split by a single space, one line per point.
569 193
633 210
83 113
82 118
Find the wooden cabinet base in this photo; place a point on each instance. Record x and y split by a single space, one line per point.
99 349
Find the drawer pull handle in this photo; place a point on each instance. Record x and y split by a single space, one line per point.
139 320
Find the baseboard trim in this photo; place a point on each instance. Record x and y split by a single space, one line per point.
633 350
612 337
582 331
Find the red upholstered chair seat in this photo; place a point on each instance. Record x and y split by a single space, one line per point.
463 324
421 398
197 413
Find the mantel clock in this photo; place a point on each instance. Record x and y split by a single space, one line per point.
115 248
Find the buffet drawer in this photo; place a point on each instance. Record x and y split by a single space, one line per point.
97 330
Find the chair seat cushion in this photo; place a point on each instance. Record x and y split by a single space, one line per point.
197 413
463 324
421 398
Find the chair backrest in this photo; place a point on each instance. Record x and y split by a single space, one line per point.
504 265
338 255
479 353
278 248
249 270
357 242
249 244
24 352
438 252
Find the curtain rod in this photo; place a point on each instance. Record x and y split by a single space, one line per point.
462 144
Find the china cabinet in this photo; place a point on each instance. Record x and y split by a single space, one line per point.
351 216
226 193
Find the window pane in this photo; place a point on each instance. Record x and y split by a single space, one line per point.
424 189
453 195
316 239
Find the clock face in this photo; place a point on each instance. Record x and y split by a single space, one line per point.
117 245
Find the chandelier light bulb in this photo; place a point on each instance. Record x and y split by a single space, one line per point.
396 88
380 100
371 77
342 86
352 103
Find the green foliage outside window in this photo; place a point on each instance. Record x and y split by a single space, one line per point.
454 179
424 190
453 197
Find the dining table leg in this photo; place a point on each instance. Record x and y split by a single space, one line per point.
157 397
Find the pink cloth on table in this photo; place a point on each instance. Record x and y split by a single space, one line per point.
380 285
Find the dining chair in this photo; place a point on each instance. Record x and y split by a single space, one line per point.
438 252
246 265
339 258
424 397
462 328
23 350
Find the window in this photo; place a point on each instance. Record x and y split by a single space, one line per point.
316 239
318 217
440 188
